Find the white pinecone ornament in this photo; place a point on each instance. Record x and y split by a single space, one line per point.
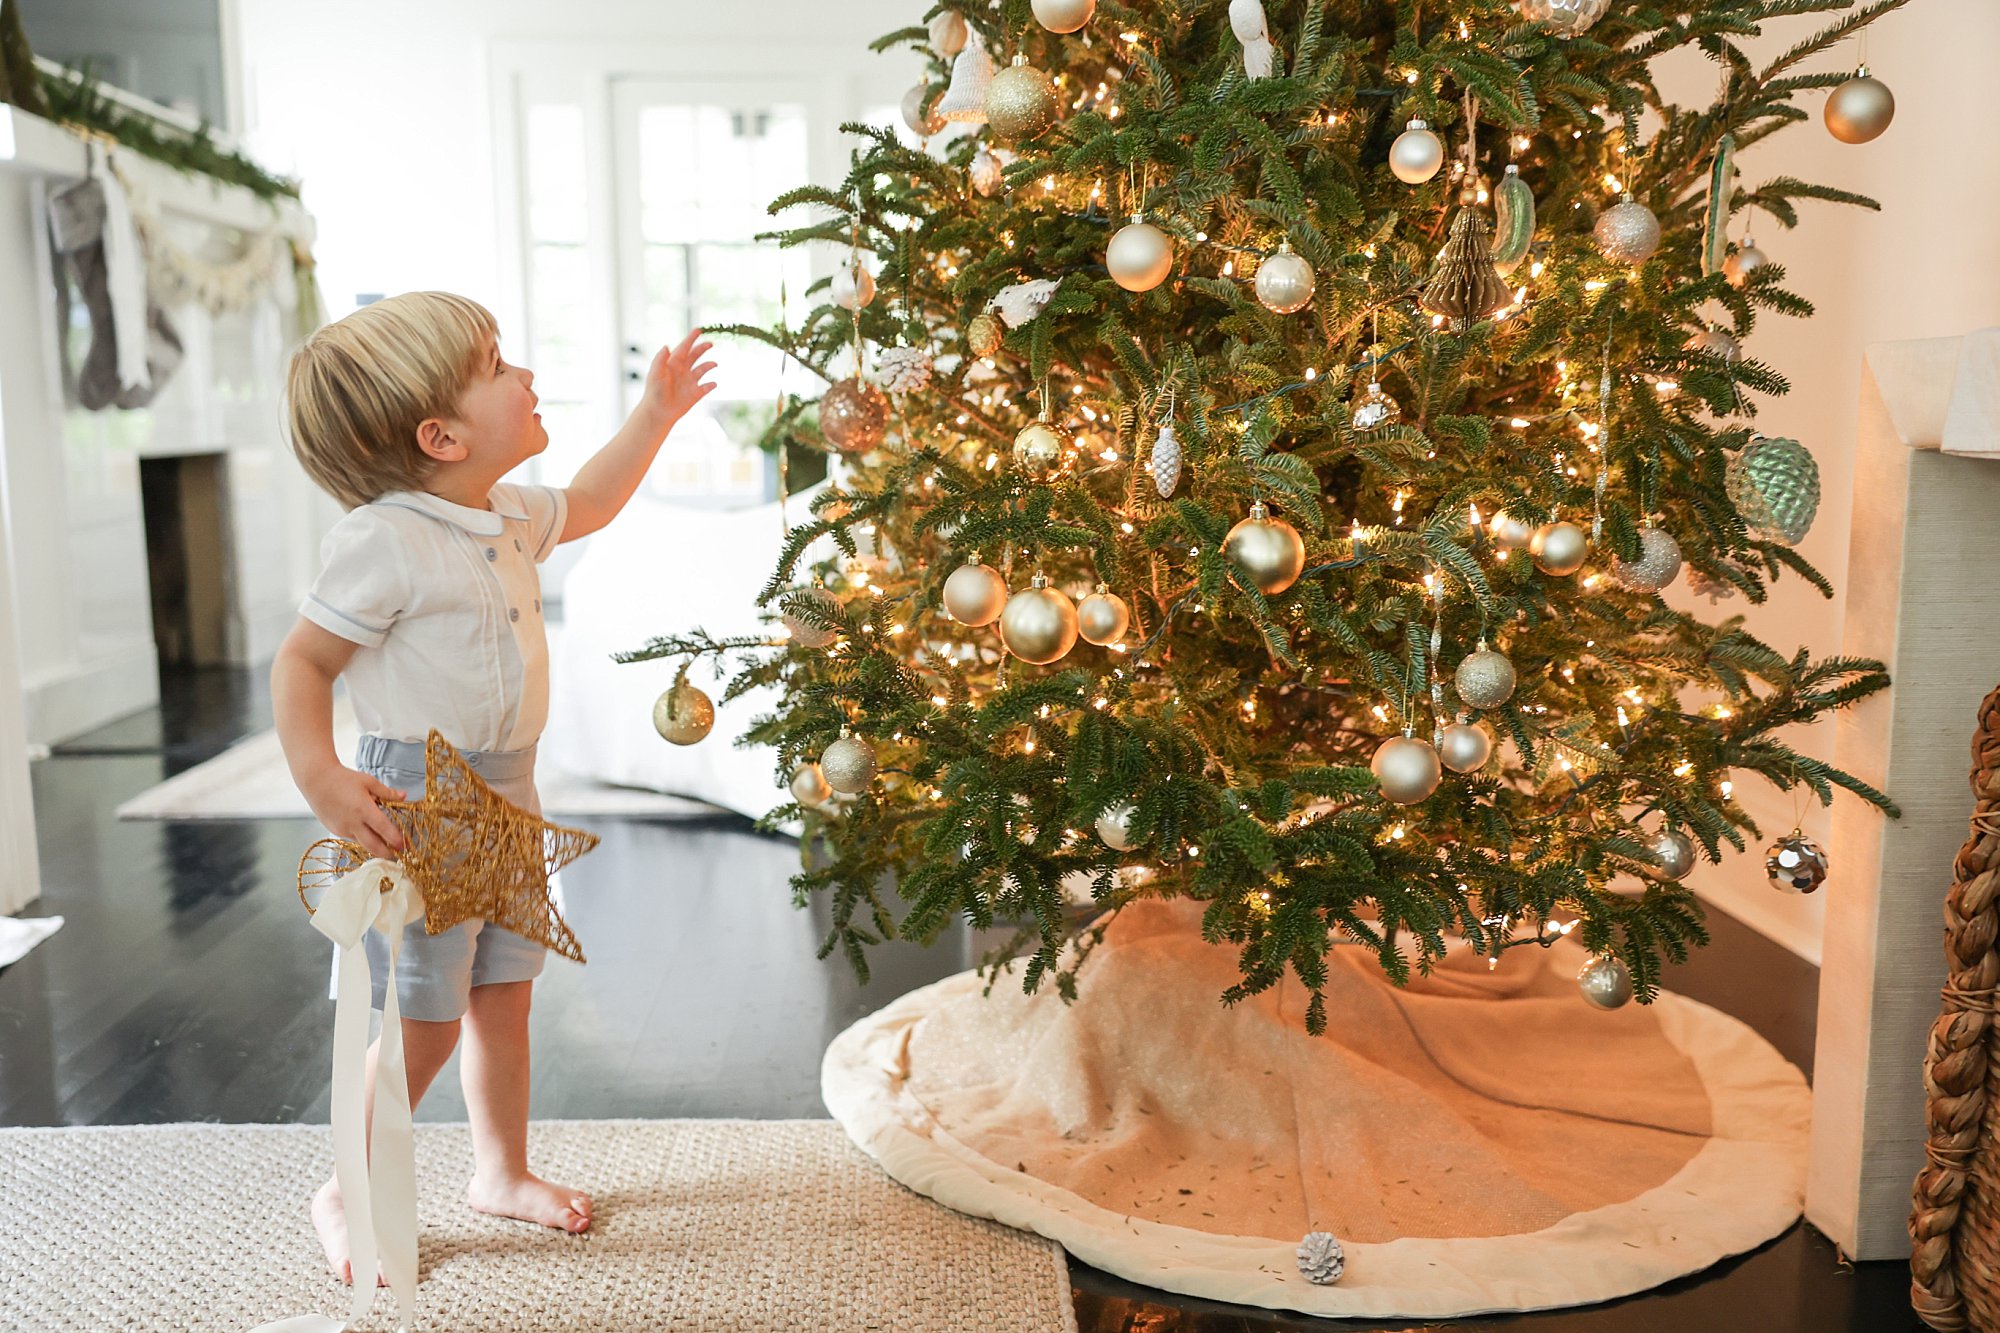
1321 1260
1165 461
904 369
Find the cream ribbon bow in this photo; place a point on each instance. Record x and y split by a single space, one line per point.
378 1189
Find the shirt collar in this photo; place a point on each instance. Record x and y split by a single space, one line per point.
479 522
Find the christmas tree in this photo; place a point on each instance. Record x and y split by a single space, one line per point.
1327 389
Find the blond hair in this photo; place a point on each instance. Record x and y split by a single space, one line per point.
360 386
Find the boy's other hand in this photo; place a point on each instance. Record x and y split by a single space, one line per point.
345 801
675 382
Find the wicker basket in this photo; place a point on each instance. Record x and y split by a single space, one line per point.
1955 1220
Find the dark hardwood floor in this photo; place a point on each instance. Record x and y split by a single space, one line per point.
187 986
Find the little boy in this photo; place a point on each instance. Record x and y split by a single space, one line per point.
429 603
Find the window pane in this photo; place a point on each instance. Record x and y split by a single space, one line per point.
558 294
553 163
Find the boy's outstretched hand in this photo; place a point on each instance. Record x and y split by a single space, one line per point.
675 382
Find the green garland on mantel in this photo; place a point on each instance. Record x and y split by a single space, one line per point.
77 101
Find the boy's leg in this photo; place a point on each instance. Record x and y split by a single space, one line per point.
426 1047
494 1070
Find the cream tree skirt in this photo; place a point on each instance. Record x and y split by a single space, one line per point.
1478 1141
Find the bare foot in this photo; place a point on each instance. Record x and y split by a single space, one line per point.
531 1199
330 1220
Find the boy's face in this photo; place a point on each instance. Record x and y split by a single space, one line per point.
496 419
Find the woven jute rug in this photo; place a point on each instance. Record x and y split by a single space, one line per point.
700 1224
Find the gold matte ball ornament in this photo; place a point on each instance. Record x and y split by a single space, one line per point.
1039 623
853 415
809 787
683 714
975 594
1559 548
1103 617
1140 256
1020 102
1269 551
1406 768
1040 447
1464 746
1860 109
1064 15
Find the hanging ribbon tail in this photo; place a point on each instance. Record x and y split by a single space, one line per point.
378 1189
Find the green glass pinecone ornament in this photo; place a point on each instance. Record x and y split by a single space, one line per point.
1774 484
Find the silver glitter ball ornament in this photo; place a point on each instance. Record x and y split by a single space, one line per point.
1564 18
1658 564
1464 747
1672 852
804 632
1140 256
683 714
1795 863
1103 617
1509 533
1284 281
1321 1260
1114 827
1627 233
1860 109
975 594
1485 679
1559 548
809 787
1417 154
848 764
1406 769
1606 983
1020 101
1736 269
1374 409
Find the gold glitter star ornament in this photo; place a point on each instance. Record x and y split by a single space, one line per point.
471 851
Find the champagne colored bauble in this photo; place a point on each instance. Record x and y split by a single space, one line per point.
1039 623
1064 15
853 416
1672 852
1103 617
1465 747
1406 768
986 173
1736 269
983 334
1860 109
1509 533
1774 484
1269 551
1020 102
1659 562
1140 256
809 786
1417 154
848 764
1485 679
1564 18
806 634
975 593
920 111
1627 233
1114 827
853 287
1374 409
1039 448
1606 983
1284 281
1718 343
947 33
1795 863
1559 548
683 714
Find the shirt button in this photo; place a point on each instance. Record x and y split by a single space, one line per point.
513 613
492 554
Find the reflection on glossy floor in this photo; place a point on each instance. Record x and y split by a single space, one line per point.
187 986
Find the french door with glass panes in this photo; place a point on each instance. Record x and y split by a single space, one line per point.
695 167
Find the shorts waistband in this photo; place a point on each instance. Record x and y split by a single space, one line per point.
493 765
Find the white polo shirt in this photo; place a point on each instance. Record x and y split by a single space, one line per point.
447 607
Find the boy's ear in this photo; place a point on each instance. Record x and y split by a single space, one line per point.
434 437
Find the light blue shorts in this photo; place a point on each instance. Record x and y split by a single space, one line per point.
436 973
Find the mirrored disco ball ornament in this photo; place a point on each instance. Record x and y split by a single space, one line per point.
1606 983
1795 863
1565 18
